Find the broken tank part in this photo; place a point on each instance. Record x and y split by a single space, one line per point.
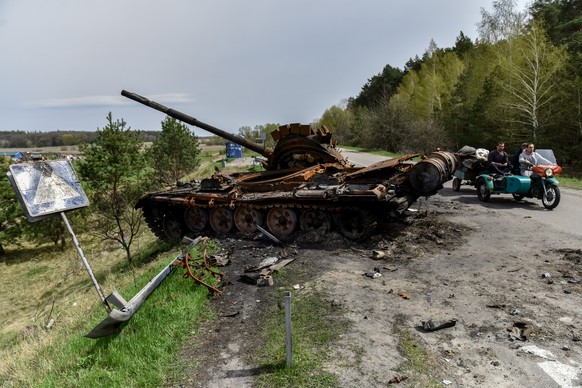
308 184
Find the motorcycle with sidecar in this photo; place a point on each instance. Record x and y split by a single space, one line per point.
542 184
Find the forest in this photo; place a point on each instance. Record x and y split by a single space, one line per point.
519 81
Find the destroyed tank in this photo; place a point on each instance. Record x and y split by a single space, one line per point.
307 184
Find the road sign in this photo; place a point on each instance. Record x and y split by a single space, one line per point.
46 187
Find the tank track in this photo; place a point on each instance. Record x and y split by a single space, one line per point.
354 219
354 222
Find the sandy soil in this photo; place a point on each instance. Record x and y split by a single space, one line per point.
516 300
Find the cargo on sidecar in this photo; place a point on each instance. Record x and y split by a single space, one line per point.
472 164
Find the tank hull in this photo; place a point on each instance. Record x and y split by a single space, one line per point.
353 201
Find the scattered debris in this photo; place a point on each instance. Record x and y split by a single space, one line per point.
265 281
373 273
520 331
404 294
397 379
431 325
218 261
280 264
267 262
261 274
269 235
378 254
198 269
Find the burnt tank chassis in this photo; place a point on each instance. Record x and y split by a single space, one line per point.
307 184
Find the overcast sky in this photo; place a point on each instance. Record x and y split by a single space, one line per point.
229 63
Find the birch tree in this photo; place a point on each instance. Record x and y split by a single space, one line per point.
531 76
503 23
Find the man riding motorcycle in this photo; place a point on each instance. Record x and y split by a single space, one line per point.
530 158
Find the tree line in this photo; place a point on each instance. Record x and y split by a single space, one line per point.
28 139
520 81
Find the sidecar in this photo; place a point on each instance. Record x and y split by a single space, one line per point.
488 184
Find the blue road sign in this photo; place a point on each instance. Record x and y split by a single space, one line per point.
47 187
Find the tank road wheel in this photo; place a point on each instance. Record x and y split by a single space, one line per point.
173 228
314 219
246 219
196 218
282 222
551 197
221 219
357 224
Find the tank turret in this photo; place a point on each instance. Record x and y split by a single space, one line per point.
297 145
308 184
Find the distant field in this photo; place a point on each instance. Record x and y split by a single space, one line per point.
61 149
73 149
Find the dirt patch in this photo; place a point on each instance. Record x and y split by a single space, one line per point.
446 261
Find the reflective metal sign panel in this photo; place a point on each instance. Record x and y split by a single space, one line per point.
47 187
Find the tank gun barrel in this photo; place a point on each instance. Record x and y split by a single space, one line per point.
197 123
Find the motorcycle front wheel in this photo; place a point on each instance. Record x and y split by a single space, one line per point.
551 197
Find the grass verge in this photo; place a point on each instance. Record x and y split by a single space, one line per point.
315 327
420 363
572 183
144 353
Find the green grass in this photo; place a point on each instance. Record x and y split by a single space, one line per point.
572 183
144 353
37 271
315 327
420 363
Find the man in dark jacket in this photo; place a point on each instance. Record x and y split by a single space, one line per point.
498 161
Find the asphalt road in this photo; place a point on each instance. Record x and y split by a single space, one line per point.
361 159
566 218
563 219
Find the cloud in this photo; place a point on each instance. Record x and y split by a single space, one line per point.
233 62
106 101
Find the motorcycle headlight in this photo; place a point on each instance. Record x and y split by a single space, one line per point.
549 172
